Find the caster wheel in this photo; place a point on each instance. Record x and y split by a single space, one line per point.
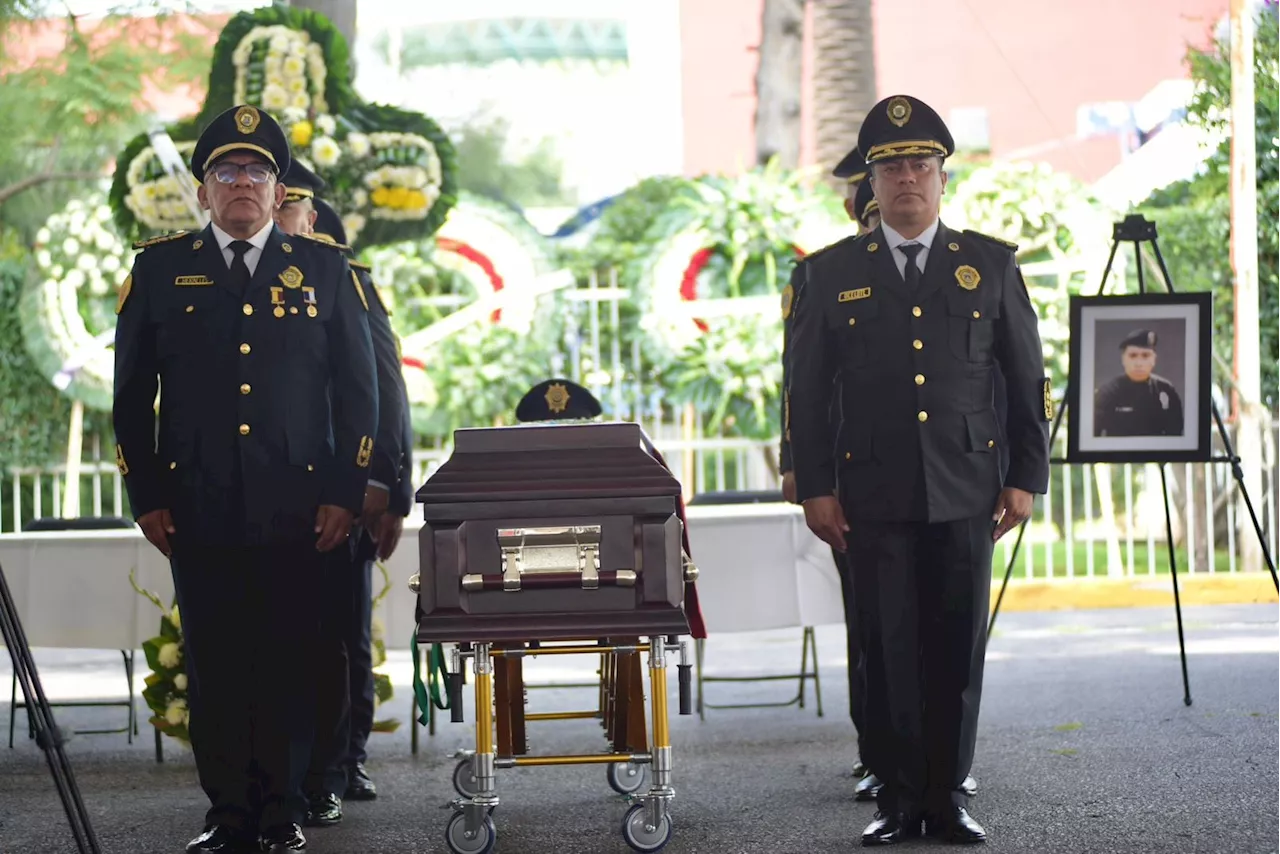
642 838
464 781
486 836
625 777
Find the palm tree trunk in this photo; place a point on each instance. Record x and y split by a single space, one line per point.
778 83
844 72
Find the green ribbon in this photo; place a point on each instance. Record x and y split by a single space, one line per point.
428 693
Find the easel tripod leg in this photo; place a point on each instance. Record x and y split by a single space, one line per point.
1173 574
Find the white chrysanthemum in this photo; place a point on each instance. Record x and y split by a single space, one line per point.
55 272
293 66
325 150
357 144
86 262
280 43
274 98
326 124
359 198
42 236
98 286
292 115
110 264
295 85
169 655
301 100
180 681
352 224
74 279
44 259
71 246
105 241
176 713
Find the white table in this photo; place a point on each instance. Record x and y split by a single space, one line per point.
760 567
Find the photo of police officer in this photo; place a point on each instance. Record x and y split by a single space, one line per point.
1143 400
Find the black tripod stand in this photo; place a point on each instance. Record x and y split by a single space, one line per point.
48 736
1137 229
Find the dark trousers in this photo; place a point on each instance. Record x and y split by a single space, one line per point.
922 594
853 643
250 622
344 684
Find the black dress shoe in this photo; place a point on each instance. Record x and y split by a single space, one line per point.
222 840
359 786
323 810
867 789
957 827
860 770
969 787
283 838
890 828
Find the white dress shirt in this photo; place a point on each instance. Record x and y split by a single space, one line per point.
256 244
894 240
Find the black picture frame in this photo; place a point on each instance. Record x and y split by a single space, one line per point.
1112 418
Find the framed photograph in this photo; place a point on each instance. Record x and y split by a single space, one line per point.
1139 388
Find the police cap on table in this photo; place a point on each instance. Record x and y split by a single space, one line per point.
301 183
1144 338
903 126
557 400
241 129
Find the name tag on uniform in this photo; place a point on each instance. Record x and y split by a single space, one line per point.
856 294
192 281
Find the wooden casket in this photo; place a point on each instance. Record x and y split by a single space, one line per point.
560 532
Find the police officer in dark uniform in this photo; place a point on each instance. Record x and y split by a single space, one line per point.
909 322
1138 403
260 346
345 705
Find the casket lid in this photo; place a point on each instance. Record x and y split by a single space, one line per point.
545 462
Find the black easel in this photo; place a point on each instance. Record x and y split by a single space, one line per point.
1137 230
47 734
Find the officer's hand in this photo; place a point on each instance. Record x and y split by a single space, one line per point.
333 524
387 534
789 487
825 518
375 504
157 526
1013 507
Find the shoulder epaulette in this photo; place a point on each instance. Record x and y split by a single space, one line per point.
359 265
164 238
1007 244
851 238
332 244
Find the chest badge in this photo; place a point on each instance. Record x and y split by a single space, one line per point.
291 278
967 277
788 297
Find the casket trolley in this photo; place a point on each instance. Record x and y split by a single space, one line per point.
556 540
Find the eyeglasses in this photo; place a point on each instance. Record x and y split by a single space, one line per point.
226 173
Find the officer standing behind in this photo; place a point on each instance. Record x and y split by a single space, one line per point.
1138 403
260 347
345 706
909 322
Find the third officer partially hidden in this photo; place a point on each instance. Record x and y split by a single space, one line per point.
1138 402
907 324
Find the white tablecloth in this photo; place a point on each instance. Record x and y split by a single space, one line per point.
760 566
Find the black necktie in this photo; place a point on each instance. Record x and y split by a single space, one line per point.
239 269
911 275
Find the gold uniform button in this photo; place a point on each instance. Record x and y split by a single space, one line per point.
852 321
172 466
246 388
190 309
310 467
977 314
922 416
244 429
915 311
848 456
245 348
919 379
293 309
918 344
991 443
248 309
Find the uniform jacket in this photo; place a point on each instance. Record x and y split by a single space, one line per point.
919 435
1123 407
268 402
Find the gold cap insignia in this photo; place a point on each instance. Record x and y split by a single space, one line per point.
967 277
899 110
365 453
872 247
557 397
788 297
125 288
120 463
247 120
291 278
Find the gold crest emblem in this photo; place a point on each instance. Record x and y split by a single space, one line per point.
557 397
967 277
291 278
126 287
872 247
899 110
954 247
788 298
247 120
198 243
286 248
121 465
365 454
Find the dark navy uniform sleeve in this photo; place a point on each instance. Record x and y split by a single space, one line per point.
401 501
354 395
136 382
813 367
1021 358
789 299
391 395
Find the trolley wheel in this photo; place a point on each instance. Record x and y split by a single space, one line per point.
464 779
640 837
485 838
625 777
